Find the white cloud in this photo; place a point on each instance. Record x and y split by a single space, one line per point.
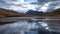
57 7
24 5
18 5
50 6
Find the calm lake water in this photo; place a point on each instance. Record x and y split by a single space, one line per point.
33 26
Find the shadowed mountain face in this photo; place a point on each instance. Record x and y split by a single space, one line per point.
53 13
35 13
10 13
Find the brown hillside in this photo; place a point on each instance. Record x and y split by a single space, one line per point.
9 13
55 13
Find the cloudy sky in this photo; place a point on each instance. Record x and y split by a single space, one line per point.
25 5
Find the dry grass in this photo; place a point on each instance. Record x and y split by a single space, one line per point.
9 13
54 13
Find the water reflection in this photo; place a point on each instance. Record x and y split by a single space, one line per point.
24 27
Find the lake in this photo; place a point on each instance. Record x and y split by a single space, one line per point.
31 26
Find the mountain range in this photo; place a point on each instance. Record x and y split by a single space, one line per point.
29 13
36 13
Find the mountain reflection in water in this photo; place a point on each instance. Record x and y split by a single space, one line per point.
26 27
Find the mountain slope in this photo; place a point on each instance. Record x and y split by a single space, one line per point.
35 13
30 13
9 13
55 13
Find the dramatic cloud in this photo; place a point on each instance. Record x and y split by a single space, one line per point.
49 5
18 5
25 5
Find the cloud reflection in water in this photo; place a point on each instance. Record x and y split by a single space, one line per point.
22 27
